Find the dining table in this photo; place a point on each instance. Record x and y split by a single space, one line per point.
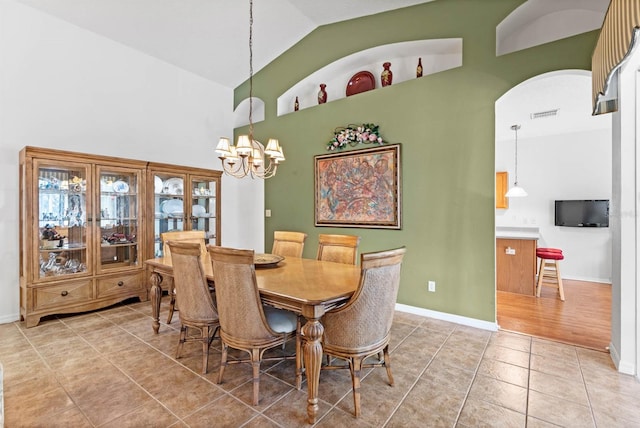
307 287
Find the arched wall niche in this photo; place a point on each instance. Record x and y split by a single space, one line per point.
241 113
536 22
437 55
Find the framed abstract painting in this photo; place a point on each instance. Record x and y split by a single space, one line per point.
359 188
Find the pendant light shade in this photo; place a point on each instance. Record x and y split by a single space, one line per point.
516 191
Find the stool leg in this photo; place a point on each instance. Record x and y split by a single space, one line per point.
559 278
540 276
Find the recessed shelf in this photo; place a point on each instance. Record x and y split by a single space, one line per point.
437 55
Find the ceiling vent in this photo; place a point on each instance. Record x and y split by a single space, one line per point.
541 114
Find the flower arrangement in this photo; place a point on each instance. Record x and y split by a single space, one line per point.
367 133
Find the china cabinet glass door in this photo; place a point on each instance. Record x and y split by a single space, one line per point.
169 213
203 207
117 217
62 219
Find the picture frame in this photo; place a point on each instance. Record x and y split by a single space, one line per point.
359 188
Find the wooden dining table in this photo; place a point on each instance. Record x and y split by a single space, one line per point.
305 286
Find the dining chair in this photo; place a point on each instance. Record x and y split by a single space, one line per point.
196 305
194 236
360 328
288 244
245 323
338 248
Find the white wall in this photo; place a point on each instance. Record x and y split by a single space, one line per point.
66 88
563 157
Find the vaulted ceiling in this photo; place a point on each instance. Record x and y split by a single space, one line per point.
210 37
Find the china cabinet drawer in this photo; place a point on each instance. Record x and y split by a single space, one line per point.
58 295
120 284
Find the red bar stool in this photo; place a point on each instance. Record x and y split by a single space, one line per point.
549 273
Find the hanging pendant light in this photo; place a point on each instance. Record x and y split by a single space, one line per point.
247 157
516 191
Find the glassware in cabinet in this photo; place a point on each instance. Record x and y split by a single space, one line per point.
169 206
117 215
204 212
62 207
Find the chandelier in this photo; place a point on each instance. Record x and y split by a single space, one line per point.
247 157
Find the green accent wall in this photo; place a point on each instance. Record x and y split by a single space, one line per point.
445 124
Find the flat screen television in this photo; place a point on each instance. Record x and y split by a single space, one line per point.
583 213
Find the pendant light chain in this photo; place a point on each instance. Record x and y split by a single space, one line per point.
515 128
251 71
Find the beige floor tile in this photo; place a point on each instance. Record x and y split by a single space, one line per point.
608 401
564 389
108 368
226 411
441 373
499 393
614 420
557 350
291 410
505 372
152 414
507 355
563 368
537 423
459 358
270 391
560 412
519 342
479 413
428 404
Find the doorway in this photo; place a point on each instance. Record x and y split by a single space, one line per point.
564 153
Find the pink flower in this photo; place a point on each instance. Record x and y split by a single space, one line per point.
372 137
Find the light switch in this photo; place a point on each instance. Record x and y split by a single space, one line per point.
267 213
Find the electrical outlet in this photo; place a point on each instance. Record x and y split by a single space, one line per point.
267 213
432 286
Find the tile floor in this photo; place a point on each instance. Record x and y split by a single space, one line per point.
108 369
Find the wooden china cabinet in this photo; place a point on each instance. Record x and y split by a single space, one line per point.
183 198
80 232
88 223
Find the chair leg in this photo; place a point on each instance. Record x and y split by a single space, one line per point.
559 279
540 278
255 365
223 361
181 340
387 364
356 368
172 305
205 349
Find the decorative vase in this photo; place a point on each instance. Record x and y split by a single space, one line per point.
387 75
322 94
419 68
296 105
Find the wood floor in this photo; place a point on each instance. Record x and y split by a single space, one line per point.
583 319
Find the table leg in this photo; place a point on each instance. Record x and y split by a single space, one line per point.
312 332
156 295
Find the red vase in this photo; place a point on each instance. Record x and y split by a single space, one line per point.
322 94
387 75
419 68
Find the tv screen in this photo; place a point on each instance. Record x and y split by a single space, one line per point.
583 213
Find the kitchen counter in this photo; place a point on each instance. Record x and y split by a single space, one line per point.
516 259
507 232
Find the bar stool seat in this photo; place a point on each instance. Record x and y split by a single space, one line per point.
549 272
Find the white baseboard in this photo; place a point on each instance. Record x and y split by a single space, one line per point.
6 319
579 278
457 319
622 366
